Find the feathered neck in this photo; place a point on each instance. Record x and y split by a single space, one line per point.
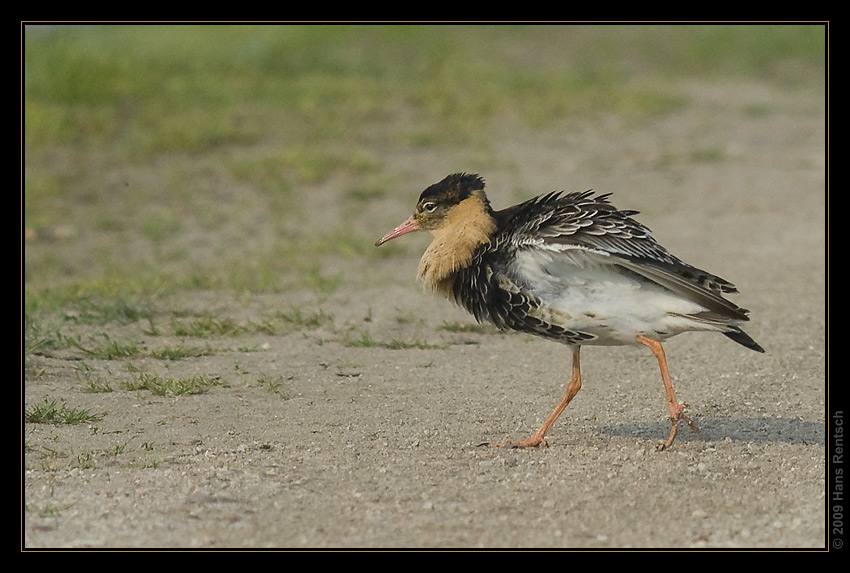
469 225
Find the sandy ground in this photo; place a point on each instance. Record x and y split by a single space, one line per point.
378 448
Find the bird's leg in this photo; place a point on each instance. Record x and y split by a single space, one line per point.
572 389
677 411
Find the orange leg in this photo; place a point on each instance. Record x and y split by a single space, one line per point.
677 411
572 389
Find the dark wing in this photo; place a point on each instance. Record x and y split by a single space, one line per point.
588 222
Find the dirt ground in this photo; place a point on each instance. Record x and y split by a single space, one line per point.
374 447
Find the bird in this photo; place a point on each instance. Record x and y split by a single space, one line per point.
571 268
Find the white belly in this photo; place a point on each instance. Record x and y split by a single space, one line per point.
586 292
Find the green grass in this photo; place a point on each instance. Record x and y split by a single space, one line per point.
300 318
48 509
95 384
45 337
41 335
364 340
274 385
208 326
179 352
105 348
169 159
171 386
48 412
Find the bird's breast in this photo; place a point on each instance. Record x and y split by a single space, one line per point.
468 227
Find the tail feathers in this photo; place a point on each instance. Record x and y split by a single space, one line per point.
743 338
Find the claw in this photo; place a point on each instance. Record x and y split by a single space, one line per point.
674 428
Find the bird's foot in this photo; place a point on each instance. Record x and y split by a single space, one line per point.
678 416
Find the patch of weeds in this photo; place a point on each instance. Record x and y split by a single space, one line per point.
409 318
103 310
84 460
274 385
147 461
107 349
49 459
262 327
180 351
207 326
152 329
95 384
118 449
49 509
310 319
204 327
396 344
48 412
365 340
162 386
40 336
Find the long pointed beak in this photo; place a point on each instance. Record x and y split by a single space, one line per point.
407 227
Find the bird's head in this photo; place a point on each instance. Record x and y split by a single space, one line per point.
438 202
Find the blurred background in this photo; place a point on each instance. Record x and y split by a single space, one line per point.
237 158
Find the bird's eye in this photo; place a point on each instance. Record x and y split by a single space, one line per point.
429 207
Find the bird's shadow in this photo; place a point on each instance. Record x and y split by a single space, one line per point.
717 429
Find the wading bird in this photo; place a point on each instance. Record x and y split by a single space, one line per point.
569 267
